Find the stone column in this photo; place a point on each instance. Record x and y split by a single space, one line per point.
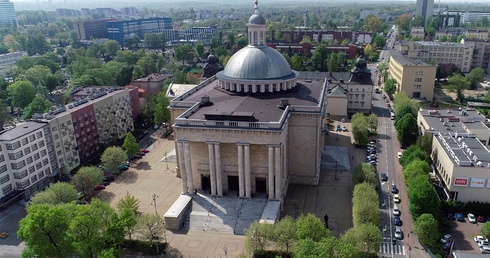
212 168
270 170
188 167
241 190
219 172
183 175
248 173
278 173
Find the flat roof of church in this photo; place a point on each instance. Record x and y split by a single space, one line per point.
263 106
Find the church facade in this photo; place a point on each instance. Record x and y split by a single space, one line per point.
253 128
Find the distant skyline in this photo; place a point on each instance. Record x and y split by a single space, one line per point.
21 5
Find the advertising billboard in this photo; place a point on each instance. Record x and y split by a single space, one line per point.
460 181
477 182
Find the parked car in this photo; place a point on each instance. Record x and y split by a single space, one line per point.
123 168
398 233
344 128
396 210
399 154
397 221
459 216
483 243
446 238
479 238
109 178
394 189
485 250
339 128
383 177
106 183
145 150
471 218
99 187
396 198
446 245
481 218
450 216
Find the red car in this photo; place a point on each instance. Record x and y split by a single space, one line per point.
99 187
145 150
481 219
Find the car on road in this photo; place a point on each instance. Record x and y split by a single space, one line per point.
396 198
145 150
109 178
396 210
344 128
485 250
483 243
459 216
446 238
398 233
394 189
397 221
479 238
471 218
383 177
339 128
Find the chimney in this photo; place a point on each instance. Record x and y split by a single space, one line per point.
283 104
205 101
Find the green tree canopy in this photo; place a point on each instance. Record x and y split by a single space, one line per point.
423 197
426 228
285 233
485 229
113 157
364 172
458 84
310 226
130 145
38 105
86 179
59 193
366 237
162 113
390 86
415 168
406 128
365 202
21 93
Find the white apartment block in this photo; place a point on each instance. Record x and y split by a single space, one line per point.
11 58
481 53
450 33
442 52
364 37
27 160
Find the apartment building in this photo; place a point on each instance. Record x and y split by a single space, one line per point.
477 34
424 8
418 32
89 29
413 76
27 160
442 52
8 18
11 58
481 53
461 138
450 33
119 30
296 36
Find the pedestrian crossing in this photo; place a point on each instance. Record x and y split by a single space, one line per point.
389 248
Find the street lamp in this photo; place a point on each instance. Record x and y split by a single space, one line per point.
154 201
166 161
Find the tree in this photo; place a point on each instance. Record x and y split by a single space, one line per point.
390 86
44 231
368 52
257 236
38 75
86 179
359 128
21 93
122 72
334 62
415 168
310 226
296 62
200 50
147 64
128 220
129 202
403 21
373 23
426 228
445 70
458 83
185 53
372 121
485 229
113 157
151 227
406 128
38 105
379 41
365 204
138 72
411 153
364 172
366 237
130 145
162 113
59 193
111 47
403 105
423 197
476 76
424 142
132 42
285 233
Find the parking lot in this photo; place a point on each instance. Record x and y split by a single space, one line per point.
463 233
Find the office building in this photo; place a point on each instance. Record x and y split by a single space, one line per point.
417 32
424 8
413 76
119 30
476 34
451 34
253 128
63 12
92 29
481 53
459 151
442 52
11 58
296 36
8 18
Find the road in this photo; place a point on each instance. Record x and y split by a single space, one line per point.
390 43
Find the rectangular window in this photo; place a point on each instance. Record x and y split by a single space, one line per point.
25 141
27 150
36 156
39 134
47 171
7 189
29 160
31 169
34 178
18 165
34 147
3 168
45 162
41 144
418 79
32 137
2 158
20 175
4 179
43 153
40 174
39 165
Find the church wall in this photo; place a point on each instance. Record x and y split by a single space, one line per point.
337 106
304 148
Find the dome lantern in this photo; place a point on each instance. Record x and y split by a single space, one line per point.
256 27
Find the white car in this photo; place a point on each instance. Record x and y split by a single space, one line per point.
396 211
471 218
446 238
483 243
480 238
399 154
485 250
398 233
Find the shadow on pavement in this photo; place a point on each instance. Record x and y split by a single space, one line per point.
105 196
143 165
129 177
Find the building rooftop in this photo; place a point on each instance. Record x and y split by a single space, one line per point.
464 149
439 43
177 90
264 108
155 77
406 61
453 120
21 129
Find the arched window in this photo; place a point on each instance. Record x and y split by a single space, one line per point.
261 38
255 38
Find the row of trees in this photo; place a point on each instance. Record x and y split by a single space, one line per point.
362 126
405 120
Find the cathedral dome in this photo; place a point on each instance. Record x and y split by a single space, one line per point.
256 18
361 62
213 59
257 63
